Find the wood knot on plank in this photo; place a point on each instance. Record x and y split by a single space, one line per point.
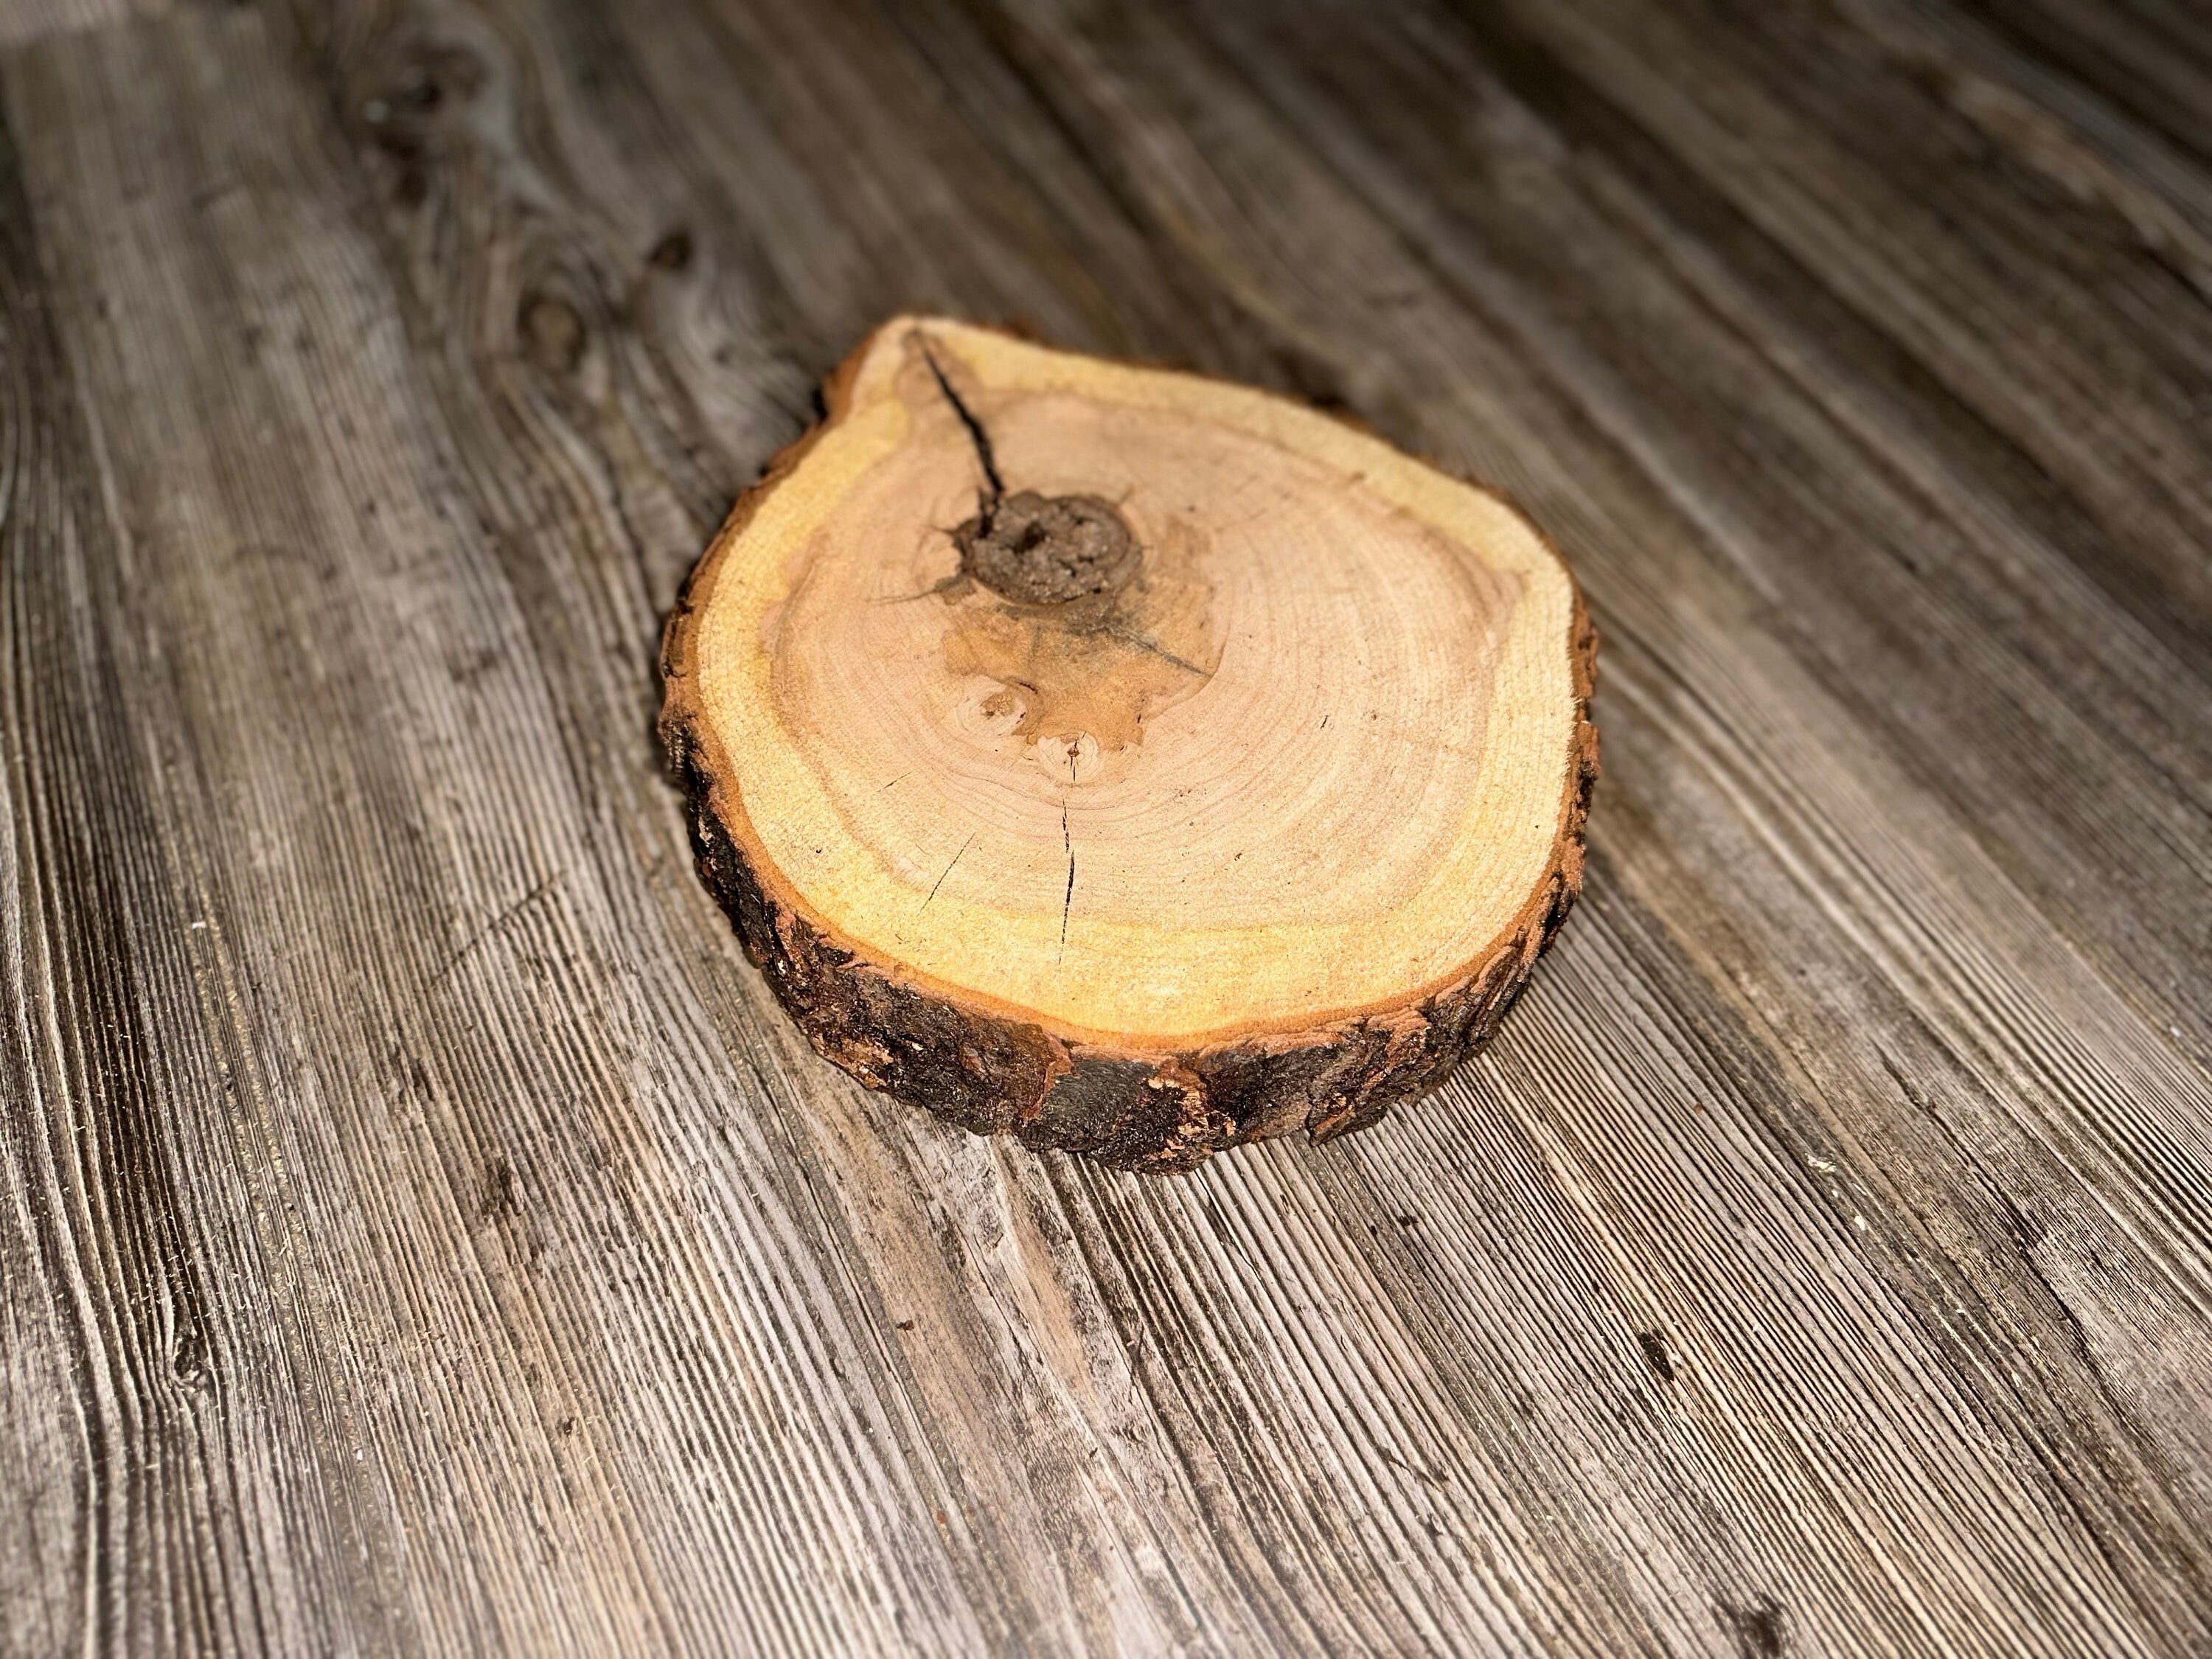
1758 1627
552 333
413 86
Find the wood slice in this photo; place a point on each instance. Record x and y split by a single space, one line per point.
1125 761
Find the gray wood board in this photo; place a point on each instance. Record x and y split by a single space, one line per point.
420 1232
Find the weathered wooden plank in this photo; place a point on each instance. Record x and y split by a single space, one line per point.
2021 278
2150 60
502 1385
24 21
422 1232
62 971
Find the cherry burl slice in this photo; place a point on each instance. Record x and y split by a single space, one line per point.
1128 762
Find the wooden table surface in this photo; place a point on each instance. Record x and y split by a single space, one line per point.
420 1232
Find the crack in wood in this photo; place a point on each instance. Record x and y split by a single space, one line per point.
990 497
957 857
1068 899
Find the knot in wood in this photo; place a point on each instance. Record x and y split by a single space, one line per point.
1047 550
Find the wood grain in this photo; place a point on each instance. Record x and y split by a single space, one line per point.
419 1231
